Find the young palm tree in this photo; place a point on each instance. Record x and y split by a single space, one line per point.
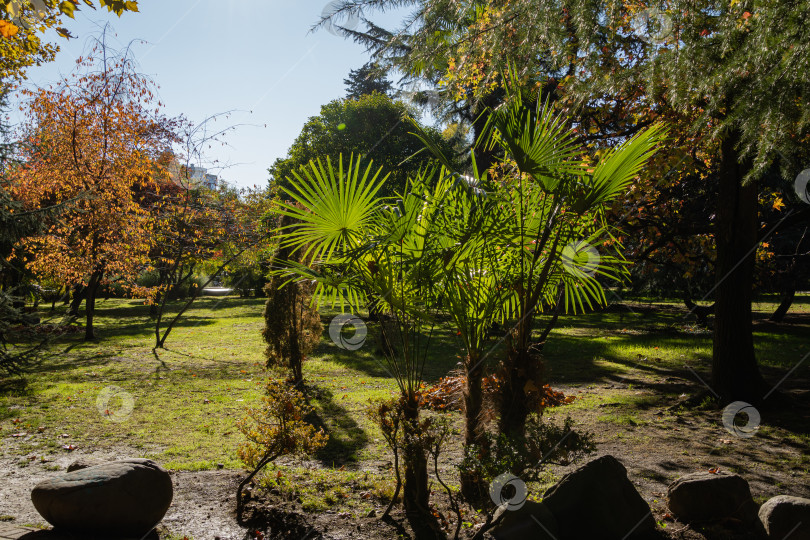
367 250
557 217
483 250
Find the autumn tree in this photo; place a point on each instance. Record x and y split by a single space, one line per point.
198 228
22 23
94 139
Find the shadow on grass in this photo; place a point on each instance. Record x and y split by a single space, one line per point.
346 437
444 354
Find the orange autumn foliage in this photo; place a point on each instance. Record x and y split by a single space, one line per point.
447 394
93 144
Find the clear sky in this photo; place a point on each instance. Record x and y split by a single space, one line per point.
211 56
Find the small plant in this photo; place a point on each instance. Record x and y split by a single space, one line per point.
544 443
387 415
436 436
275 429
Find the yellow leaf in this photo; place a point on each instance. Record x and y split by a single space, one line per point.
778 204
8 29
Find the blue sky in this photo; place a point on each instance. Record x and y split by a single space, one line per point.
211 56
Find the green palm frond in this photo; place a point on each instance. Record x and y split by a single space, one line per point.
335 285
336 207
614 173
538 140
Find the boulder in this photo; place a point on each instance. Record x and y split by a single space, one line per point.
599 501
706 496
532 521
784 516
120 498
83 463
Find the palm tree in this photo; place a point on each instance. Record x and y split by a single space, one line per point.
366 251
557 215
484 249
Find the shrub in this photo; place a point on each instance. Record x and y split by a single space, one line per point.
274 429
292 324
544 443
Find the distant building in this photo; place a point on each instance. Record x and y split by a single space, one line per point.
193 176
199 177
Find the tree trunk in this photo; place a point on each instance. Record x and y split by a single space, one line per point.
416 493
297 320
514 400
784 307
474 487
90 303
735 374
483 156
473 402
79 293
521 377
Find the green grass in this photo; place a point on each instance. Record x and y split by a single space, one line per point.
356 492
188 397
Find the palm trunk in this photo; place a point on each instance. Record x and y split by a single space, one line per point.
735 374
473 401
416 492
514 401
522 373
474 487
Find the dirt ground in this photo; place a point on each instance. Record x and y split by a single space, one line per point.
656 442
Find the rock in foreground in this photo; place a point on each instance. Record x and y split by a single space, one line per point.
706 496
786 517
532 521
599 501
121 498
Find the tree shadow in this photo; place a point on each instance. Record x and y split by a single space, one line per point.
346 436
67 535
444 353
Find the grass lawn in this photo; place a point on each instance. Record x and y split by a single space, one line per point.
626 365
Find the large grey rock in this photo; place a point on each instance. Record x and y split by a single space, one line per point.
83 463
120 498
599 501
784 516
706 496
532 521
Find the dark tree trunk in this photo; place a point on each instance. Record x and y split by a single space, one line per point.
514 400
484 157
784 307
735 374
79 292
473 402
700 312
416 493
474 487
90 303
